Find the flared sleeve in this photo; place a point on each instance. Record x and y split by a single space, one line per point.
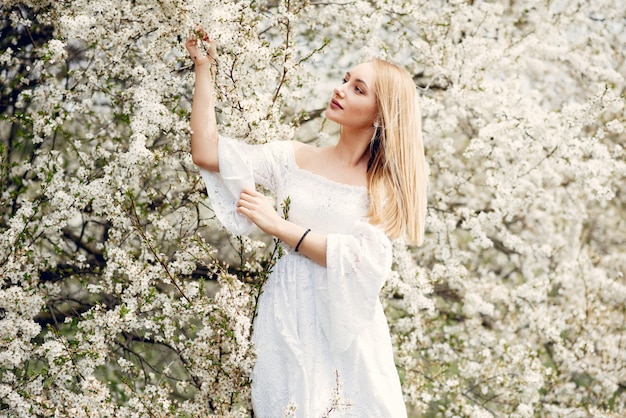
357 266
241 166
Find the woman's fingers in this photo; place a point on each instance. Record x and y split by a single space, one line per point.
201 33
256 207
250 198
200 47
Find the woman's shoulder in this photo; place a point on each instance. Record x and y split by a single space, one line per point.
296 148
301 147
306 154
281 151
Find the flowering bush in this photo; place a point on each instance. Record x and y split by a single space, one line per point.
121 296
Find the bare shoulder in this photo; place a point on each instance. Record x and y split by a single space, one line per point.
305 154
301 147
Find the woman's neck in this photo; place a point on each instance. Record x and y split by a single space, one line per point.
353 147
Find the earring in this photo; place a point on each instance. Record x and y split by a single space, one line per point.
376 125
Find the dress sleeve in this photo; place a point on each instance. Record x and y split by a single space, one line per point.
357 266
242 166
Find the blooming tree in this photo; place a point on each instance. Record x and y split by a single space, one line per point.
120 295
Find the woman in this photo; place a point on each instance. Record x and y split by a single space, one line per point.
322 340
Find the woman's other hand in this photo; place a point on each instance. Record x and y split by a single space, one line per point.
257 207
201 54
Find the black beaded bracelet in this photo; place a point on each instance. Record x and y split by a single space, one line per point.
302 238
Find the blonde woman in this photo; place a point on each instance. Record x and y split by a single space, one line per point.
320 326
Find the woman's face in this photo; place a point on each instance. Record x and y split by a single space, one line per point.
353 103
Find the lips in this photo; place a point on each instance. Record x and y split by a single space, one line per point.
335 103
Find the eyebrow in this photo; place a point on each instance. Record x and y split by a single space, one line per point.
358 80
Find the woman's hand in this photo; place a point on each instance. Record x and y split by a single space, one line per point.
201 54
256 207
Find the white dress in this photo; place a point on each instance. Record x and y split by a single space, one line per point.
321 335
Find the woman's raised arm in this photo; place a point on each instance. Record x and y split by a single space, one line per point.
204 135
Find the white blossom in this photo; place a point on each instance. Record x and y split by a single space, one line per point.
114 304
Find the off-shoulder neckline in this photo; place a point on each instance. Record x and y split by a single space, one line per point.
311 174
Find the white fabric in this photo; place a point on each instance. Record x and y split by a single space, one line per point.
225 187
319 331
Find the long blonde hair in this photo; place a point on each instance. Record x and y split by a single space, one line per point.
397 173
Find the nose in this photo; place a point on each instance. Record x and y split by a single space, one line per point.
338 91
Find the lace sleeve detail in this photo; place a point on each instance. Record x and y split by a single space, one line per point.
357 266
242 166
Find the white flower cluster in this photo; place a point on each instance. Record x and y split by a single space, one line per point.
112 303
